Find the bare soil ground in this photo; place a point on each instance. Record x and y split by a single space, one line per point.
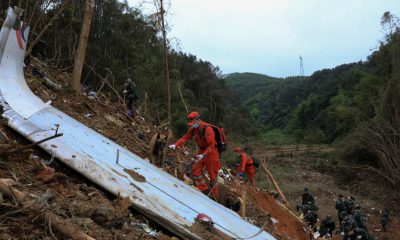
298 172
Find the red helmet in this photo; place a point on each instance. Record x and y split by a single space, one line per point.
237 149
193 116
203 218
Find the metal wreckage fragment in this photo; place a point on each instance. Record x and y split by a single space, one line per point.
161 197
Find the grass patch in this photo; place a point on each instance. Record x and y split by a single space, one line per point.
277 137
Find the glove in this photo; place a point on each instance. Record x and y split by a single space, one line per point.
240 174
173 146
200 156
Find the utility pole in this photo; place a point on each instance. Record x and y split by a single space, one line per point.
301 67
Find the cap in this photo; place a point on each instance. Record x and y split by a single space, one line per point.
237 149
305 189
193 116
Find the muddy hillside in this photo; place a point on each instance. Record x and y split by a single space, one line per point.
54 201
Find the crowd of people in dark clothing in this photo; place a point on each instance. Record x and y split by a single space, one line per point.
352 223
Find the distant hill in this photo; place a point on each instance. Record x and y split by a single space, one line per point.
322 107
248 84
270 100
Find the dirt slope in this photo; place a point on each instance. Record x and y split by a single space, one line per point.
262 207
88 207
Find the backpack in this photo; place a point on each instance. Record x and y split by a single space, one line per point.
256 162
220 136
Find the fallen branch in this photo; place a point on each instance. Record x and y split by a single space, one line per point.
105 81
5 135
183 100
51 84
11 148
243 200
265 169
55 221
370 168
289 211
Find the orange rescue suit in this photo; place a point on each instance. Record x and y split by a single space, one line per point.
206 145
246 165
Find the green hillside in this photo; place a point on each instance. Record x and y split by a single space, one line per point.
270 100
325 106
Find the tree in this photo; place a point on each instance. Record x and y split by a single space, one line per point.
81 51
389 23
160 19
48 25
165 51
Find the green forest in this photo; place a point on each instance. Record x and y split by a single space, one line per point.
324 107
352 106
332 106
123 42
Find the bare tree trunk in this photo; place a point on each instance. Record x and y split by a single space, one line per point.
81 51
183 100
265 169
145 105
165 50
50 23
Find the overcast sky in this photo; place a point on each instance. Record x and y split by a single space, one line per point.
267 36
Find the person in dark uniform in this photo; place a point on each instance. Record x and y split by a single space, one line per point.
340 206
359 219
131 96
385 219
311 218
327 226
307 197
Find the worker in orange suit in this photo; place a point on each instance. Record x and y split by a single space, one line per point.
245 165
208 155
